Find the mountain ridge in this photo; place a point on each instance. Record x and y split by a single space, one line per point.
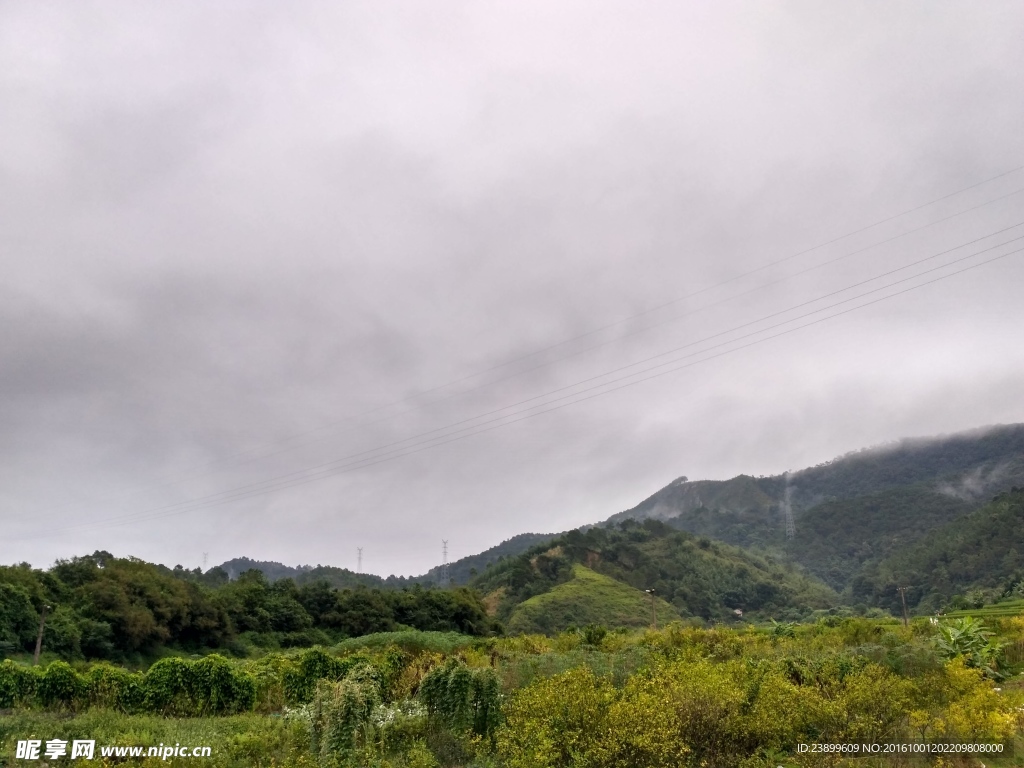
853 515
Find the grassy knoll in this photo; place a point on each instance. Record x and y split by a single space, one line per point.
588 598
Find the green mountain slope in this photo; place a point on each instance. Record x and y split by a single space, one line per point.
854 511
741 494
697 577
588 598
971 466
983 551
835 540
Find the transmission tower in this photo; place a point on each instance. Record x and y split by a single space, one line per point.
787 508
444 563
359 559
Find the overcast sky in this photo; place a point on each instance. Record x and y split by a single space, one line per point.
260 259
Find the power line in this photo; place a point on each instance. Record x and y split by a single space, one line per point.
661 354
720 302
627 319
808 269
329 469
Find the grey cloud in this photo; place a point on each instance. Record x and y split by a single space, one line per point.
243 241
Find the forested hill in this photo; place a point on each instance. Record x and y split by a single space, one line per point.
969 465
976 559
855 511
610 569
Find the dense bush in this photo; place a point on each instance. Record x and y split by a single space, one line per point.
17 684
116 688
172 686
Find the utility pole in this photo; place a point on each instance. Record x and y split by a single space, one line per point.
359 559
39 637
903 597
654 610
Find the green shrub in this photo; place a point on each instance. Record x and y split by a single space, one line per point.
556 722
593 634
313 665
219 688
208 686
166 686
411 641
60 687
304 638
17 684
116 688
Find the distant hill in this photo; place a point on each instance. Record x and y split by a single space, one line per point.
835 540
272 570
971 465
462 571
742 494
341 578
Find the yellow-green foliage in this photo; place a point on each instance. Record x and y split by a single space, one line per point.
697 711
680 696
958 703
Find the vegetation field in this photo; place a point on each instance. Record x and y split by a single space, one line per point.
678 696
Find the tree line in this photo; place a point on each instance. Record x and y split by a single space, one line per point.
104 607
